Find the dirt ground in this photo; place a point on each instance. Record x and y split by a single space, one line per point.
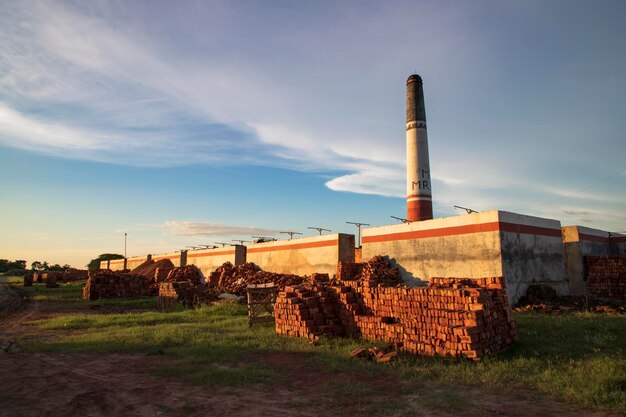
111 385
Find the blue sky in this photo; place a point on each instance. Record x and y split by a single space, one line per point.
192 122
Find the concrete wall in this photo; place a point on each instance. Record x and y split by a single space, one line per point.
118 264
460 246
174 257
618 244
532 252
207 260
579 241
303 256
521 248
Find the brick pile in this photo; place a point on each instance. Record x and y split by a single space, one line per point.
235 279
73 275
378 269
451 317
107 284
28 278
51 278
185 293
186 273
606 276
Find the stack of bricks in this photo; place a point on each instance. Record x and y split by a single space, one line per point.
103 284
184 292
72 275
451 317
51 279
606 276
348 271
28 278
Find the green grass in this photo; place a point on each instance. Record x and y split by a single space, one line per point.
577 358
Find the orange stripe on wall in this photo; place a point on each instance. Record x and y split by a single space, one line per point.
200 255
295 246
424 234
593 238
464 230
529 230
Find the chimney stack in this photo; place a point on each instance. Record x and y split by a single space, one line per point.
419 202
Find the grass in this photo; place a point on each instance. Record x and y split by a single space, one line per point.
577 358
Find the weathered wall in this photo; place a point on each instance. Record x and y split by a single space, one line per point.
618 244
532 252
303 256
523 249
578 242
207 260
118 264
459 246
174 257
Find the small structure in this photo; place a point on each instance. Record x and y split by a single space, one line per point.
261 298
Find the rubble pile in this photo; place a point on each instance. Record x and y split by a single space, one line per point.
235 279
606 276
451 317
108 284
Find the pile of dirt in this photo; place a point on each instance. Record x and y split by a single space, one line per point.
235 279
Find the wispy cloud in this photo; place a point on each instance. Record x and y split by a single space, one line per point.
191 228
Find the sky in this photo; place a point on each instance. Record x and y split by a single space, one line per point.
193 122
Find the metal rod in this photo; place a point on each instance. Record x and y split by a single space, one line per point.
400 219
468 210
125 234
358 227
290 233
319 229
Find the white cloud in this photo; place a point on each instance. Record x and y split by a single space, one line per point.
191 228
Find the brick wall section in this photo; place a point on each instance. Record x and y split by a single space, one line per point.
451 317
606 276
114 285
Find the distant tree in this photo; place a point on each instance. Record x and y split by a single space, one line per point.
66 266
95 263
56 268
6 265
37 266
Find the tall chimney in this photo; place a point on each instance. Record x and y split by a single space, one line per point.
419 203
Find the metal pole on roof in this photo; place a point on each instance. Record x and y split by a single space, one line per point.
358 227
320 229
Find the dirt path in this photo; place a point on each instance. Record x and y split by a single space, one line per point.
112 385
